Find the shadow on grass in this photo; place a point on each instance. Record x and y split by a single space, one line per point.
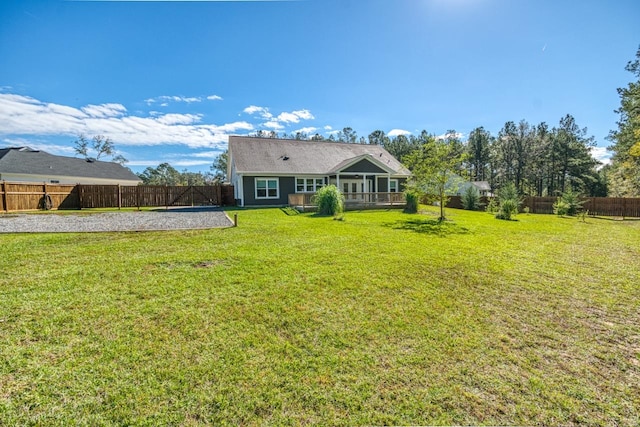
290 211
429 226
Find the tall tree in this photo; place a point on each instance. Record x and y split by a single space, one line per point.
378 137
541 153
99 145
505 153
399 146
347 134
479 156
219 167
435 165
164 174
575 166
625 173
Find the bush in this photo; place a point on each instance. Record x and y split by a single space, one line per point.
508 209
492 206
412 197
568 204
471 199
329 201
509 202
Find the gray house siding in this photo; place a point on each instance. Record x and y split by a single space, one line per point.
382 184
363 166
287 185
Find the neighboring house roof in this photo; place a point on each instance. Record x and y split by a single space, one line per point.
252 155
482 185
24 160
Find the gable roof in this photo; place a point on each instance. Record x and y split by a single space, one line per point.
24 160
482 185
252 155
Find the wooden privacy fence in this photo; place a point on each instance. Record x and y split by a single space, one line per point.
33 196
597 206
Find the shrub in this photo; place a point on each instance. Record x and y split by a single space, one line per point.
509 202
508 209
492 206
329 201
471 199
412 197
568 204
560 208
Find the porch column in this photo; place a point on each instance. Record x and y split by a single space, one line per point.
338 181
388 183
364 183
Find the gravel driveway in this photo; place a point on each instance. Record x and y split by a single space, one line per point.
173 219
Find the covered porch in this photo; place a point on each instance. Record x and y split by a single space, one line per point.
357 201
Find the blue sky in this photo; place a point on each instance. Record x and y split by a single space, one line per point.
168 81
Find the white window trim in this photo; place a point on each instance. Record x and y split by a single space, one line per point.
397 186
267 179
314 178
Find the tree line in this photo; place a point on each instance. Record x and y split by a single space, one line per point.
538 160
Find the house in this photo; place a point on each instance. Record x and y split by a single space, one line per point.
23 164
266 171
483 187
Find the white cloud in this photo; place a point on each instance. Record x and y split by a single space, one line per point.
104 110
295 116
395 132
283 119
263 111
601 154
41 146
214 98
458 135
23 115
179 119
303 114
327 127
164 99
186 163
288 118
273 124
308 130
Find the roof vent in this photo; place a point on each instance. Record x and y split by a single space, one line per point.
285 158
90 159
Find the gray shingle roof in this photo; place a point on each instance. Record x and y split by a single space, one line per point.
23 160
267 155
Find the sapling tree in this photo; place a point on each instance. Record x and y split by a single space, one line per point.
508 202
437 166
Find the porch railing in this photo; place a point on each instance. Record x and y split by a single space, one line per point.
352 200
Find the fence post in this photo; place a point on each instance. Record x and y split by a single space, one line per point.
119 197
138 197
166 196
4 196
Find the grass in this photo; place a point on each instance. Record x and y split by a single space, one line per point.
382 318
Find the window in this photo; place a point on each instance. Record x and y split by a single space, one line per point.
393 186
267 188
308 185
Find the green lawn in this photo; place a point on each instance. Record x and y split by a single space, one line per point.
382 318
